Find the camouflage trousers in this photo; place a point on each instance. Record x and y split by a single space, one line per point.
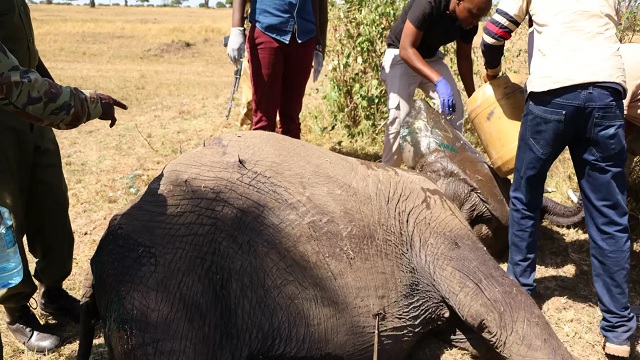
33 188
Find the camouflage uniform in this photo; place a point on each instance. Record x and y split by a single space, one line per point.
32 184
42 101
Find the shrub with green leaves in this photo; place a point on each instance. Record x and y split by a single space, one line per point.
356 98
629 24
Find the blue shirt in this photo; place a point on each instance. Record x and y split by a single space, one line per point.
279 18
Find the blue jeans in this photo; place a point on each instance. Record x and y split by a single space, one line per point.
589 120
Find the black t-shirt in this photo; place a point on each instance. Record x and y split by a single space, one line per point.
437 25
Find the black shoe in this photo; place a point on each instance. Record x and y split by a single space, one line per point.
55 302
27 329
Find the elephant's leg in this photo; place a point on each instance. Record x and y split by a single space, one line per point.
458 334
428 348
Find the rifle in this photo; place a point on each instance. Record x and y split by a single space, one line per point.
236 74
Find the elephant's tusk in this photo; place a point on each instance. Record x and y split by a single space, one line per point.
573 196
375 337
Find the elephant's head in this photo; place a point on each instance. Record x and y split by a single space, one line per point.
432 147
479 193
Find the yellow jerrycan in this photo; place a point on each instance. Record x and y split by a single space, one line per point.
495 110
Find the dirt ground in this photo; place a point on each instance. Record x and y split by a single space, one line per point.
170 67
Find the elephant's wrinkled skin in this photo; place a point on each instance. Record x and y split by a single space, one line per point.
261 246
433 148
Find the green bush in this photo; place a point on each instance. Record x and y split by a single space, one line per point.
629 24
356 99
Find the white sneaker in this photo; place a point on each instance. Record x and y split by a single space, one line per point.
617 350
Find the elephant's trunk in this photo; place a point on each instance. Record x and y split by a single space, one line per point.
491 303
561 215
552 211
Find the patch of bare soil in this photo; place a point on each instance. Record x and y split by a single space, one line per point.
175 48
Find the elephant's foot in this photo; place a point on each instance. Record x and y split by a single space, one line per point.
457 333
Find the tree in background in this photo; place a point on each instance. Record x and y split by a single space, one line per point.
220 4
356 99
629 24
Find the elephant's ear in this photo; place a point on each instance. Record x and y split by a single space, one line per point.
481 176
471 171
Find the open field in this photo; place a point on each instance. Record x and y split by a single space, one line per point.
169 66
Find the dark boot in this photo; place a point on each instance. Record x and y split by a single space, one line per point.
55 302
27 329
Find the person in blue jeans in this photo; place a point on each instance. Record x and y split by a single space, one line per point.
575 99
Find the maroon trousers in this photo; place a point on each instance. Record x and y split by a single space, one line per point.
279 75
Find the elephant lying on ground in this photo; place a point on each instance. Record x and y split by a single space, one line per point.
433 148
258 246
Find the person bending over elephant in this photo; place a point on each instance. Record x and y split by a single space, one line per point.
631 57
575 99
235 252
413 60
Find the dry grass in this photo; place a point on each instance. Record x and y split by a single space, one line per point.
170 67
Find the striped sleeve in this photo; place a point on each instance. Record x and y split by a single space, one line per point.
497 30
42 101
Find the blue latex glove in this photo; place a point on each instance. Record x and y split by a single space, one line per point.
445 93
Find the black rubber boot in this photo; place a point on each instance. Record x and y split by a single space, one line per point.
55 302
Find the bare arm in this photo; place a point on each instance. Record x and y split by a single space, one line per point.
465 67
321 11
409 42
237 15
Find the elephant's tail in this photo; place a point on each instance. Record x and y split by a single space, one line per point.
88 317
562 215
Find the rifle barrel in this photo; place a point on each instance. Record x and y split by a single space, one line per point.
236 75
